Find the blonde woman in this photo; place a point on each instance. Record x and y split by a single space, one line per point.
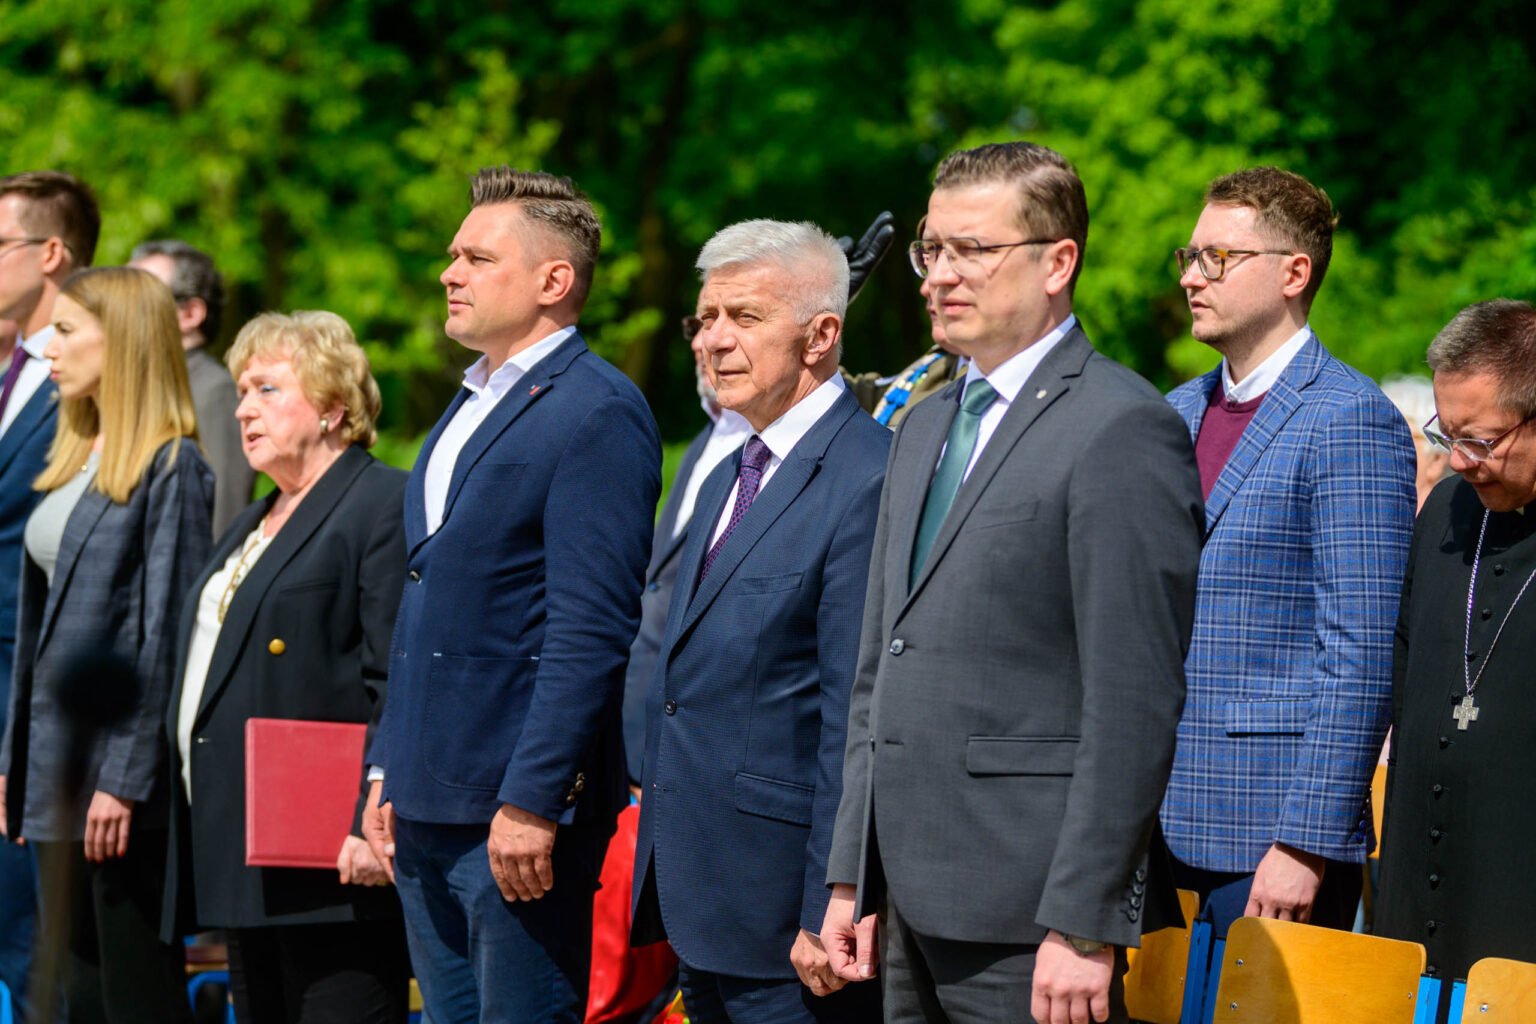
291 618
111 550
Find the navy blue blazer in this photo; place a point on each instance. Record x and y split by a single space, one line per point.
506 670
748 713
23 453
660 575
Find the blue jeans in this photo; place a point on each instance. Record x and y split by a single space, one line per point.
18 917
479 958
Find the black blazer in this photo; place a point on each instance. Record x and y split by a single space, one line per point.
327 587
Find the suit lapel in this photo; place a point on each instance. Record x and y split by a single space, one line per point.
313 511
416 484
530 388
909 483
82 522
665 546
777 495
1050 380
29 418
1193 403
1280 403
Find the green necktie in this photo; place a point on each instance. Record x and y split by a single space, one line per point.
979 395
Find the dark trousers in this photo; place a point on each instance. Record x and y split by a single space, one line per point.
350 973
721 999
479 957
1225 893
116 970
948 981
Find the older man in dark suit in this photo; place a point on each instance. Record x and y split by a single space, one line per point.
748 710
1021 663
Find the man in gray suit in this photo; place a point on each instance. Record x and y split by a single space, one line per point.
199 291
1021 662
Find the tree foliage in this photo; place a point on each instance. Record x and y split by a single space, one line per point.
320 148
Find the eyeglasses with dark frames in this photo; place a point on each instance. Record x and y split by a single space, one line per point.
1213 261
1472 448
964 253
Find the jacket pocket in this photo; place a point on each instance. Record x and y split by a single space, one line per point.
774 798
769 584
1268 717
470 721
1020 755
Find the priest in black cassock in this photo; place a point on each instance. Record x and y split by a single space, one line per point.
1460 830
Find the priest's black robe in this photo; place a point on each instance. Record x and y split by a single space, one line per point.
1459 839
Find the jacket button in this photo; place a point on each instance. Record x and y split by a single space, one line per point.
1437 789
655 586
580 783
1445 741
898 645
1430 926
1435 834
1141 874
1139 888
415 576
277 647
1434 880
1132 914
670 707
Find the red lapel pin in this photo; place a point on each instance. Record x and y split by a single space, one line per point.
534 390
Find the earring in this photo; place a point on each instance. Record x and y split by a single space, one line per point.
325 425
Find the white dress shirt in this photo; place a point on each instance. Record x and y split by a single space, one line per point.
486 390
33 372
1008 380
730 432
781 436
1266 373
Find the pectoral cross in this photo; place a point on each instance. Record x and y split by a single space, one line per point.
1465 713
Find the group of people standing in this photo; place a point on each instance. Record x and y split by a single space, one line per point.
950 696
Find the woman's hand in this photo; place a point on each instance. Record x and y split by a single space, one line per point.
5 832
357 865
106 827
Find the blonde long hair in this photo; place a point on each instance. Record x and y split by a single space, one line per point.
143 400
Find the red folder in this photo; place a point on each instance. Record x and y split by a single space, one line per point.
301 786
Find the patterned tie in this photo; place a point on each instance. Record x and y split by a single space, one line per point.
18 360
754 459
979 395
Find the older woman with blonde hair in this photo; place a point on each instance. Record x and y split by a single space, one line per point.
291 619
111 549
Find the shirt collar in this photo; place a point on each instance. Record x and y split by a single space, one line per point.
1008 378
39 341
1266 373
784 433
730 424
478 380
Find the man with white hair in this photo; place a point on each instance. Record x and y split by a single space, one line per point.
748 711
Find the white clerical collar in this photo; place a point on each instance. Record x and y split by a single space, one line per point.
1266 373
1008 377
784 433
479 379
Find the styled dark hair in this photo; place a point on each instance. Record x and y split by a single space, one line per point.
193 276
1051 197
550 202
1289 208
1497 337
61 206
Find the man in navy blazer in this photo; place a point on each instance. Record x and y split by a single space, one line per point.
1308 473
49 223
528 522
748 712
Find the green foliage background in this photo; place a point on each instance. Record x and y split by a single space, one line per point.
320 148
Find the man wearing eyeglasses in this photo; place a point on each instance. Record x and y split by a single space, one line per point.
48 228
1021 661
1308 473
1461 815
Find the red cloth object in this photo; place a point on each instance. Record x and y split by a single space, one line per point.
624 980
300 790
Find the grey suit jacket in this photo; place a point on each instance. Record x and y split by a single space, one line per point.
214 400
1013 719
122 573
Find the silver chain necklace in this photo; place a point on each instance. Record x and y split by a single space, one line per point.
1466 711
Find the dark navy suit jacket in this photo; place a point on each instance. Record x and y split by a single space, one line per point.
23 453
660 576
749 709
507 665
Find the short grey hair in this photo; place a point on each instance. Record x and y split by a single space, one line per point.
193 276
810 256
1414 397
1498 338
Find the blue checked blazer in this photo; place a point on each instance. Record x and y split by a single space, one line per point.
1289 672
